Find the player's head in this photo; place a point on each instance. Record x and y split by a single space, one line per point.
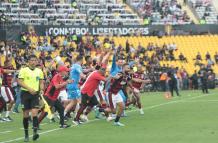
120 62
140 68
33 61
103 69
63 70
126 68
79 59
88 60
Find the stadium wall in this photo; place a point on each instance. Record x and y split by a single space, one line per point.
13 31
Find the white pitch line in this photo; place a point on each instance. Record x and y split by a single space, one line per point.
147 108
5 132
201 101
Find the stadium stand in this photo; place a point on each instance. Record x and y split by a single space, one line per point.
160 11
81 12
166 49
205 11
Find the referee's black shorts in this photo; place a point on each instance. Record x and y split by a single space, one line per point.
89 101
29 101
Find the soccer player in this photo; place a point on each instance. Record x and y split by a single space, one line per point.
73 90
87 92
115 98
58 83
2 101
7 91
138 80
32 84
102 61
116 67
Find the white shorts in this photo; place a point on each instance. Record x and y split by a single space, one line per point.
63 95
113 99
6 93
136 90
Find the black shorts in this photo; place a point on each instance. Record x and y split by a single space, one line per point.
29 101
89 101
49 101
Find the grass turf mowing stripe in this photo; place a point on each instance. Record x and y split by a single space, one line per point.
146 108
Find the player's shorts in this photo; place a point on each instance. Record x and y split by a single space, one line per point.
7 94
29 101
113 99
74 94
89 101
121 93
136 90
63 95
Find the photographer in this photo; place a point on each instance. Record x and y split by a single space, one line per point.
58 83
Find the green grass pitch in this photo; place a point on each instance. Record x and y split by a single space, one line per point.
192 118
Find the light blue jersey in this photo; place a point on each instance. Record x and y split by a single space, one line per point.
72 88
115 68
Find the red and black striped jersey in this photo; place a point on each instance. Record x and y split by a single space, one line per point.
138 75
7 77
117 84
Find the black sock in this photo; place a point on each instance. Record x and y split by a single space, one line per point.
35 124
117 119
25 126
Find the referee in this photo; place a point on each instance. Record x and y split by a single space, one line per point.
31 81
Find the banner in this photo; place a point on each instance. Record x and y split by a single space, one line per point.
122 31
13 31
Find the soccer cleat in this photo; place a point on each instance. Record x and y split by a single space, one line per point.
76 123
64 126
26 139
118 124
110 118
7 119
2 120
84 118
35 137
141 111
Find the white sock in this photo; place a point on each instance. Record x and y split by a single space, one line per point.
7 113
77 108
65 113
